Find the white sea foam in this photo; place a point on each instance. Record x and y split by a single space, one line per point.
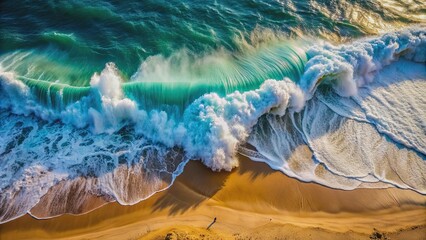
363 126
216 126
115 108
35 155
348 67
398 108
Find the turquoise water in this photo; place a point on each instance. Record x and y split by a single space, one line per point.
205 46
76 38
105 91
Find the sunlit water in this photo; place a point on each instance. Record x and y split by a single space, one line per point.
123 95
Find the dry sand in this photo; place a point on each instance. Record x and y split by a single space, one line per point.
251 202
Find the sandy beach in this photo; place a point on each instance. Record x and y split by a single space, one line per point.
251 202
251 119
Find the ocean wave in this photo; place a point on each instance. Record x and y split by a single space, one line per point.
353 118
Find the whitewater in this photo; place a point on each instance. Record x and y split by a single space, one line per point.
346 116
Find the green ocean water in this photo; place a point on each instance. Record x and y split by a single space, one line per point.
123 94
67 41
186 48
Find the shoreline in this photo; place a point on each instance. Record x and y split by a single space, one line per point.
250 197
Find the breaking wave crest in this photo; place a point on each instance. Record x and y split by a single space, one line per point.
344 116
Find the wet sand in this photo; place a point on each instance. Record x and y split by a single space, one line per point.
251 202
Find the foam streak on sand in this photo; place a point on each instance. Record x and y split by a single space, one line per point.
354 119
245 206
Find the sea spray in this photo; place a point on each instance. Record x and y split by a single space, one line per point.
313 122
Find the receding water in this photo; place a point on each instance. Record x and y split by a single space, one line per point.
121 95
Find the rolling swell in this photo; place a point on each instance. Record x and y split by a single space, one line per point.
324 126
177 80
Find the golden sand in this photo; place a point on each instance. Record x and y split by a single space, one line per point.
251 202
